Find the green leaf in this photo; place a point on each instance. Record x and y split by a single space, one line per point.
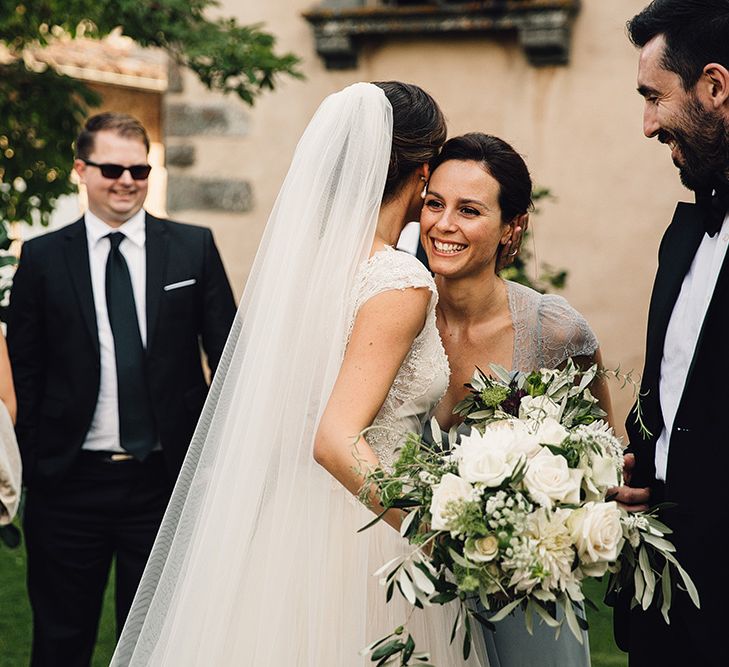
460 560
456 623
571 618
386 566
467 638
388 649
408 650
506 610
375 520
545 616
443 598
639 583
406 586
648 575
436 432
667 591
422 580
7 260
5 240
375 644
657 525
501 373
482 620
687 581
529 617
659 542
406 522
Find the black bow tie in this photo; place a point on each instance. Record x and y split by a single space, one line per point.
714 204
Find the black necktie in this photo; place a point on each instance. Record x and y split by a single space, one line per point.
136 422
714 204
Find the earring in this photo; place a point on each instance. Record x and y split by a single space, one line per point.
424 191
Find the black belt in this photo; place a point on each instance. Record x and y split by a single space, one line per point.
111 457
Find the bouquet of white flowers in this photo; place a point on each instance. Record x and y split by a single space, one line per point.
514 512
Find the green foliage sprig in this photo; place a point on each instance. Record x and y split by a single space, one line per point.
226 56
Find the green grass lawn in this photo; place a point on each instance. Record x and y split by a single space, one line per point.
15 618
15 624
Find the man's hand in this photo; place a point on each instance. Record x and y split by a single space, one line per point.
629 498
512 246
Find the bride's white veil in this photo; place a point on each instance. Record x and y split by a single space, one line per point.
250 566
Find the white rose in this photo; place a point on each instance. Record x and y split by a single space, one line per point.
513 435
600 473
604 471
548 479
482 549
538 407
450 488
551 432
598 535
489 458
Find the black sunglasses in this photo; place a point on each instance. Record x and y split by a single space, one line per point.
139 172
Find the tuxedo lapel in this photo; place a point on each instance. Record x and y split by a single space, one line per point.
679 248
77 259
156 251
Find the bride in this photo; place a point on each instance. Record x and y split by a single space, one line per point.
258 561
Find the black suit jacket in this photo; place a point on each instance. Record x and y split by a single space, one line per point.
697 475
54 344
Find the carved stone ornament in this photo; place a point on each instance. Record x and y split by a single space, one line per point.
543 27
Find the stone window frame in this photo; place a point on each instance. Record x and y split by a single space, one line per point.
543 27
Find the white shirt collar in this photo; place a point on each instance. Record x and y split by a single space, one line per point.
133 229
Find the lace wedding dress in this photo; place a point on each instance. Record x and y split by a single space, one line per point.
419 385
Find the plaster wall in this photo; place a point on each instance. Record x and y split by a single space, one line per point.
579 127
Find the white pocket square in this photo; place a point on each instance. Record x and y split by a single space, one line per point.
182 283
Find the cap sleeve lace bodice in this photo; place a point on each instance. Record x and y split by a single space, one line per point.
422 378
547 330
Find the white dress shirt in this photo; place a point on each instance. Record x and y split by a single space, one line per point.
683 332
409 238
104 431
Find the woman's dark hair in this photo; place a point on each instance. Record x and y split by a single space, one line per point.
696 33
501 161
419 130
121 123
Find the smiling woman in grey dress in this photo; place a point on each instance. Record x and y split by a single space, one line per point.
479 192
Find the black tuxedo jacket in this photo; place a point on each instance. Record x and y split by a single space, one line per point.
54 344
697 475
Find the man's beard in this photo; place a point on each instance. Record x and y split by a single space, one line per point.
702 137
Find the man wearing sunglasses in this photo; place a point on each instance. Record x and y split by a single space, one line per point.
106 323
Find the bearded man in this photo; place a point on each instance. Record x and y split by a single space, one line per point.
679 439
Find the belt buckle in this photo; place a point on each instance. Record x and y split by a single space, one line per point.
120 457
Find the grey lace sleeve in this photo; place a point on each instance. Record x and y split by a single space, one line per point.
564 332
